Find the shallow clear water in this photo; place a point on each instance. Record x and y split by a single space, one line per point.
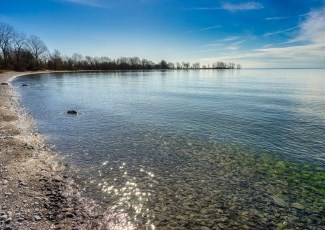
169 149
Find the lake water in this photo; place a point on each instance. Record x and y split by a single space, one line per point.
200 149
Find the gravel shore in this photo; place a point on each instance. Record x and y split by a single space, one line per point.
36 192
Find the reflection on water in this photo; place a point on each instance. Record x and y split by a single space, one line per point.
191 149
185 183
128 201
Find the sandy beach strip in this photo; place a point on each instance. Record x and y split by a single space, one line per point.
36 191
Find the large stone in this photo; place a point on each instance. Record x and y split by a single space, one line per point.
73 112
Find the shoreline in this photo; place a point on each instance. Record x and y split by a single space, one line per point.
36 192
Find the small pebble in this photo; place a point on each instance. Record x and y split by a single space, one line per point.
37 218
3 217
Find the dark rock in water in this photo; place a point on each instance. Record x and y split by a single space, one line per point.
4 83
24 85
74 112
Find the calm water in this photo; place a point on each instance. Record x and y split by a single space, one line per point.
166 149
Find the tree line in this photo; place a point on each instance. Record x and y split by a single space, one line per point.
24 53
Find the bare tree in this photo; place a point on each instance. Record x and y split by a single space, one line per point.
171 65
37 47
163 65
185 65
135 62
196 65
146 64
77 59
231 65
55 60
19 42
21 53
6 36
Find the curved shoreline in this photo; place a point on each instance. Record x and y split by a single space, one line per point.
35 189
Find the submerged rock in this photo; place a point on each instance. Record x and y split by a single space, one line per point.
277 200
297 206
74 112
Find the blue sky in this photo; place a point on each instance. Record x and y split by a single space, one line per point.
261 33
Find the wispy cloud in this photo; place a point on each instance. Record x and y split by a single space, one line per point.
232 48
313 28
280 31
293 56
295 52
242 6
231 43
91 3
238 42
232 6
276 18
230 39
221 42
309 50
203 29
210 28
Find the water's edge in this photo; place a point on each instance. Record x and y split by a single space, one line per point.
27 159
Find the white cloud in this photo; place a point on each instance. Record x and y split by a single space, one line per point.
313 28
280 31
233 7
232 48
275 18
305 49
92 3
242 6
231 43
229 39
203 29
313 51
236 40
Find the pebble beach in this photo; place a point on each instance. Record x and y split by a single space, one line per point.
36 191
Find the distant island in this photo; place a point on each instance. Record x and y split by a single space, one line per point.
22 53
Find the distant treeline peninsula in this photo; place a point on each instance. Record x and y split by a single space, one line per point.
22 53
